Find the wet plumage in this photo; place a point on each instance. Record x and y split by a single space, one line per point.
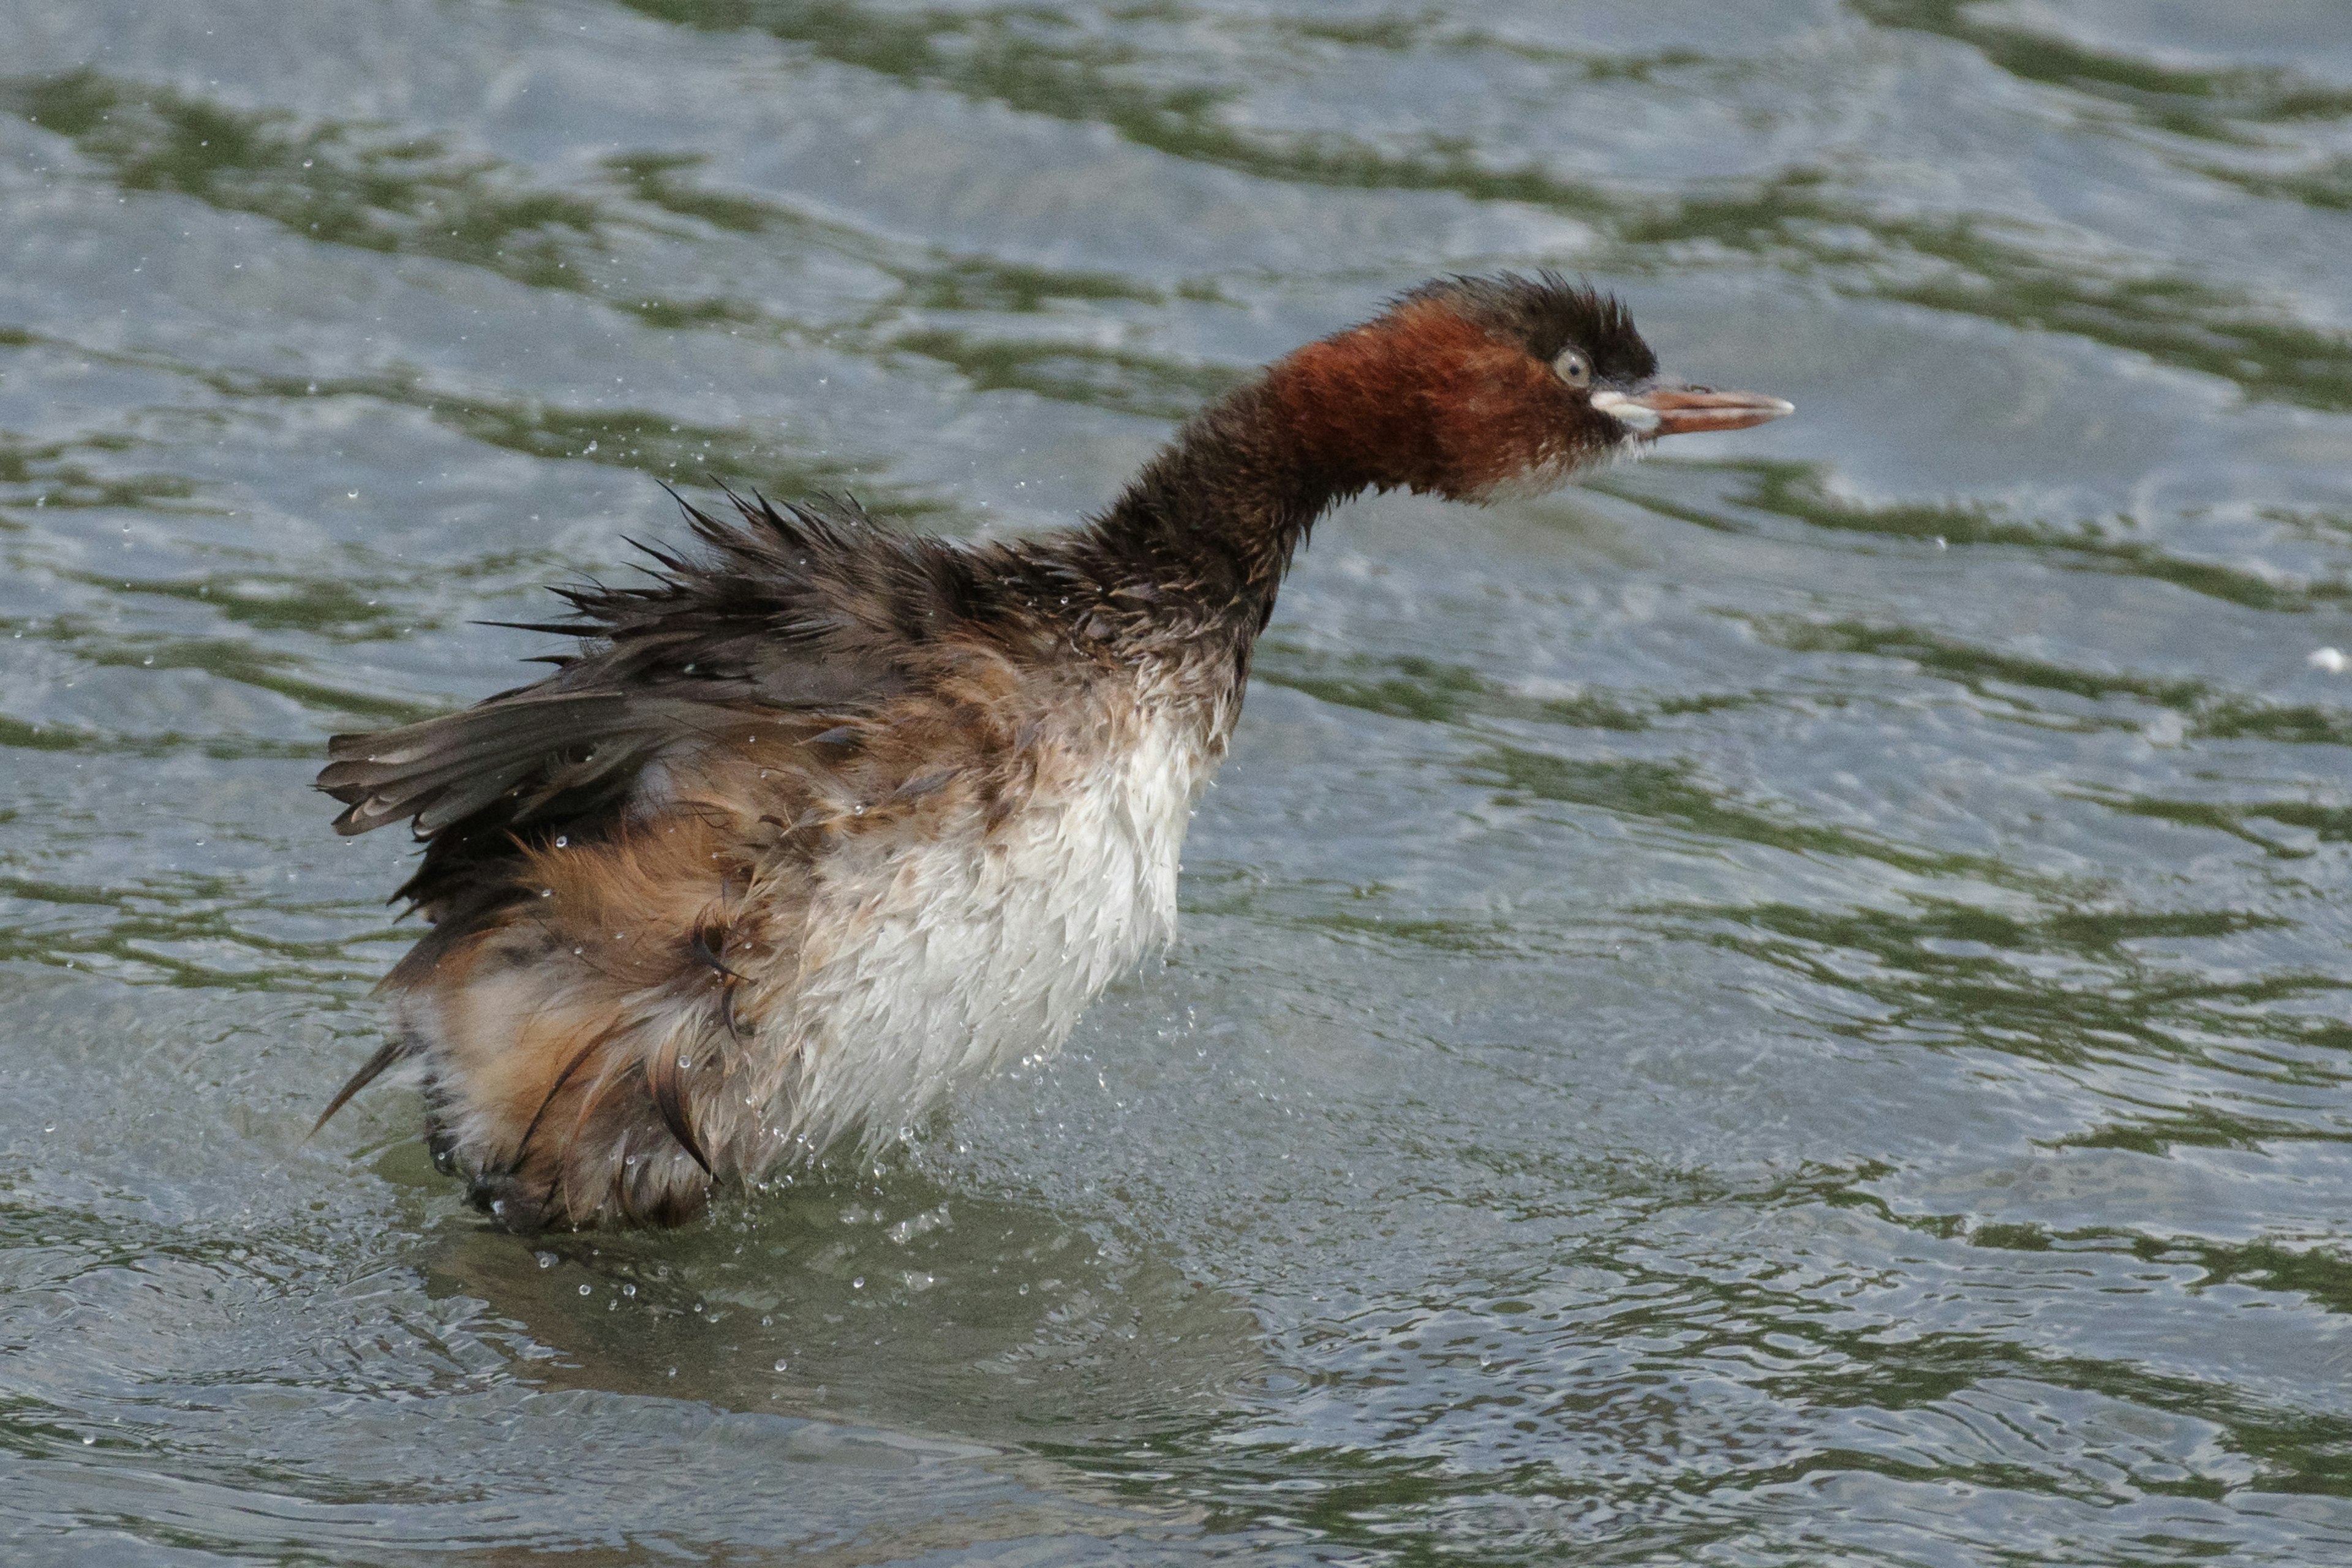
826 819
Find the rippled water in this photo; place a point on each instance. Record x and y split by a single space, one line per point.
1785 1006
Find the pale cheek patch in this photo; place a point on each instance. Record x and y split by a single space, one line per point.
1626 412
1554 473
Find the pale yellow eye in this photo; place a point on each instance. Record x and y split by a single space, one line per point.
1573 367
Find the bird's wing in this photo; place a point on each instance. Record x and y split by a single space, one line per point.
806 612
534 753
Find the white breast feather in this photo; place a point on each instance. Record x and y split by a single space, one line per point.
929 963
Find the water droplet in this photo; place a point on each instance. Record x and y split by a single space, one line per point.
583 1290
562 841
858 1283
780 1366
546 1259
628 1290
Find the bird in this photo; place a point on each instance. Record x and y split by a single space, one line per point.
825 819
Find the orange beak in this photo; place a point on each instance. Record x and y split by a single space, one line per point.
1681 410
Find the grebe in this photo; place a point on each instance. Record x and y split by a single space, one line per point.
828 818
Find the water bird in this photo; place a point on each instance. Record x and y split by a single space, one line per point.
826 818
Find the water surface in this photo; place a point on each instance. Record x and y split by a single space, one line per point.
1784 1007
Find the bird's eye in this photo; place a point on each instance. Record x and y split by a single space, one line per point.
1573 367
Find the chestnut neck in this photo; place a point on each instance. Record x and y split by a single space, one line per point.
1213 521
1215 518
1421 399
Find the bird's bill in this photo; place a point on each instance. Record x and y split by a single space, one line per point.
1683 410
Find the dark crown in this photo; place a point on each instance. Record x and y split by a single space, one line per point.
1545 314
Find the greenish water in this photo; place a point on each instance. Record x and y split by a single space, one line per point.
1786 1006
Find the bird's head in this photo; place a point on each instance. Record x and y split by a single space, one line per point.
1482 389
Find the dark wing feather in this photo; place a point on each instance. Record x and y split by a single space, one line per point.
445 769
803 610
524 751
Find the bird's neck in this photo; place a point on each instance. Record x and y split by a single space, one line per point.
1401 403
1213 521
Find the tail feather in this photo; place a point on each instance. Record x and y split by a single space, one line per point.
522 1145
369 1071
665 1082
